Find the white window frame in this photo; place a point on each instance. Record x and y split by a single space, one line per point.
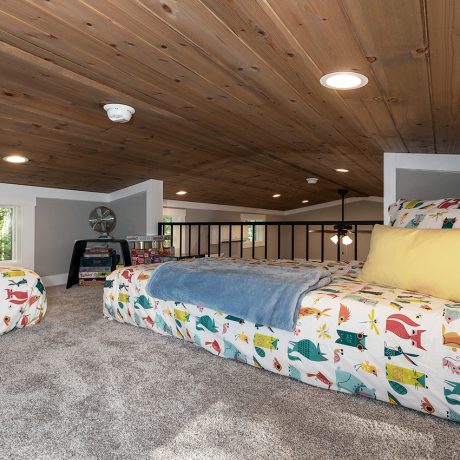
17 235
178 215
259 229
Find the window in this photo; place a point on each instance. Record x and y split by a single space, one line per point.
7 236
256 233
167 229
171 215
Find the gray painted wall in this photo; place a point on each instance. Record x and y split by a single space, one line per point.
131 215
426 185
58 223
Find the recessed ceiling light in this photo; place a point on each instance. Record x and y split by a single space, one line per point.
16 159
343 80
341 170
304 201
181 192
312 180
276 195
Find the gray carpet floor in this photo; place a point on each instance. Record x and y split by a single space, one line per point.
80 386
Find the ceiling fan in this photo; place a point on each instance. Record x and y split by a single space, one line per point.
342 230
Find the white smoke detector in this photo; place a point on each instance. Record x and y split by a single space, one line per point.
119 113
312 180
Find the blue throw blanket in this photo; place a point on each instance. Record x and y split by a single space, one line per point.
269 295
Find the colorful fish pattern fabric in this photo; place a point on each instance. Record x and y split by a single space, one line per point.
396 346
22 298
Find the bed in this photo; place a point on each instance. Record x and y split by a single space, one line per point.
22 298
387 344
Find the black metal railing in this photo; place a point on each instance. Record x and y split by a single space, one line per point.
279 239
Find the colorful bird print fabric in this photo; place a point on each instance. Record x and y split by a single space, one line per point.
22 298
438 214
396 346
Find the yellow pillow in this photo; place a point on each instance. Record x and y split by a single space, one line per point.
425 261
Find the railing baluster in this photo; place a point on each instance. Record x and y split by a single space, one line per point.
230 241
266 241
339 249
322 243
279 241
218 240
307 241
339 237
176 229
356 242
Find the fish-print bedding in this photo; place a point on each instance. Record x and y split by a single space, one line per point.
22 298
387 344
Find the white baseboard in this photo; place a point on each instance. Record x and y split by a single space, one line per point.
54 280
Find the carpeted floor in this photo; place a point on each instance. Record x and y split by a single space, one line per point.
80 386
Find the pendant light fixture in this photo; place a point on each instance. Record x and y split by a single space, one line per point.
342 229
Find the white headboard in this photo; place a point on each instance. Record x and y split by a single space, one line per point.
420 176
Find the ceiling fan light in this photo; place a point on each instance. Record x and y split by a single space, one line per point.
335 239
346 240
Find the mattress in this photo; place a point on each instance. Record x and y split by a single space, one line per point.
388 344
22 298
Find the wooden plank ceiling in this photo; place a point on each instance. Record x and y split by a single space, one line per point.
227 94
